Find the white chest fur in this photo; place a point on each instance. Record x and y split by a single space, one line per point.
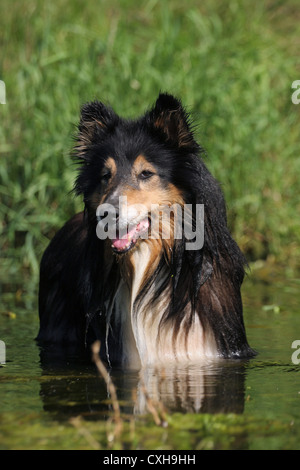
146 338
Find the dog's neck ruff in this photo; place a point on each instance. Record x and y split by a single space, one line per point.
146 337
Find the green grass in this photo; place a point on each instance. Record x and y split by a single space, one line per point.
232 63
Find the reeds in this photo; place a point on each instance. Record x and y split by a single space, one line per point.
116 430
115 424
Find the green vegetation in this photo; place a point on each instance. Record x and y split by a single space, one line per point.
232 63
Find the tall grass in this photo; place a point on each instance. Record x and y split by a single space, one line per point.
232 63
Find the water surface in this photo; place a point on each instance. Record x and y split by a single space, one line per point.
225 404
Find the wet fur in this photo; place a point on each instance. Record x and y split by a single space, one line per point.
158 302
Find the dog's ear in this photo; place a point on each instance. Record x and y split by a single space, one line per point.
170 118
96 121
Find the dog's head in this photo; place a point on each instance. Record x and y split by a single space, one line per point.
133 170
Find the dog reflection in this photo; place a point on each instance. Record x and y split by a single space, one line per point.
212 388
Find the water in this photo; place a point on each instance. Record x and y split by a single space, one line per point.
252 404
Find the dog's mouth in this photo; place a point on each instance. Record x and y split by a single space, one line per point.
126 241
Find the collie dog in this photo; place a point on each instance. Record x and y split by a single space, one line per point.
150 295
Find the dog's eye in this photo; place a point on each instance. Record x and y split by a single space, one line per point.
144 175
106 177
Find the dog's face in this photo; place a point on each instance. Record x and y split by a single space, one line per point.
132 193
133 170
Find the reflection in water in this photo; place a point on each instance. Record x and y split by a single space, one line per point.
208 388
217 387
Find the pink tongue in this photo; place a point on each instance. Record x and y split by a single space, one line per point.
121 243
132 234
